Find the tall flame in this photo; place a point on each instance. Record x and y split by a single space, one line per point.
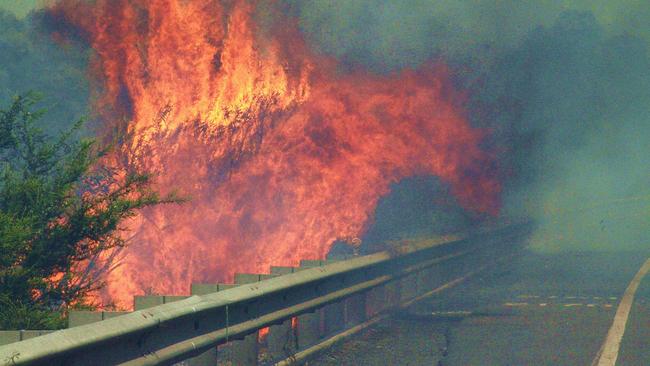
281 153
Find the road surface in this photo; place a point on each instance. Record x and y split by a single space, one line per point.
540 309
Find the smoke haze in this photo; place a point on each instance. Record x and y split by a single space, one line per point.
563 85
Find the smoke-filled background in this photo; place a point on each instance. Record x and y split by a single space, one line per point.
30 60
562 87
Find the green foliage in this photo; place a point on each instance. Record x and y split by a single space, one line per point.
60 208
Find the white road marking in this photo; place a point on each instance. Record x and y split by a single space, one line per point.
609 351
571 305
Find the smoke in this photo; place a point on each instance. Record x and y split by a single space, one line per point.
578 127
30 60
563 85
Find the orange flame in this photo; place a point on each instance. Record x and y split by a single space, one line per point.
281 153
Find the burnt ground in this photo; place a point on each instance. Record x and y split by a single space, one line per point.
540 309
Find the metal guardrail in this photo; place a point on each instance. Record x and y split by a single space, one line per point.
176 331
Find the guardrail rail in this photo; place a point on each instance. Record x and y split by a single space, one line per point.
336 298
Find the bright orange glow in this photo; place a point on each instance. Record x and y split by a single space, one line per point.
262 334
280 153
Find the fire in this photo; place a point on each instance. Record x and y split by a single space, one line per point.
281 153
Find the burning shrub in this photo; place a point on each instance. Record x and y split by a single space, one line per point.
60 206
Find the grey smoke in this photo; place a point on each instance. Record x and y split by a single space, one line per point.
564 86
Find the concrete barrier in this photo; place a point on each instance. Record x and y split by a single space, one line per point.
12 336
83 317
141 302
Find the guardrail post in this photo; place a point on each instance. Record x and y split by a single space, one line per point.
245 351
309 324
333 315
392 293
281 340
408 287
207 358
355 309
375 301
308 329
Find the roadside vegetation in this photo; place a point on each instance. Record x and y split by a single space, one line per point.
62 205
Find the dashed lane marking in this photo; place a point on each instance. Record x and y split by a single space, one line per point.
609 351
545 304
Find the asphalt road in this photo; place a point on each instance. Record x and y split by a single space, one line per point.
540 309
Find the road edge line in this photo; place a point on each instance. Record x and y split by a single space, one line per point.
608 353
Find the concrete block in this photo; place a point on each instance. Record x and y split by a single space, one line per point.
147 301
277 270
172 298
9 336
333 260
244 278
307 263
226 286
113 314
203 288
12 336
267 276
27 334
82 317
